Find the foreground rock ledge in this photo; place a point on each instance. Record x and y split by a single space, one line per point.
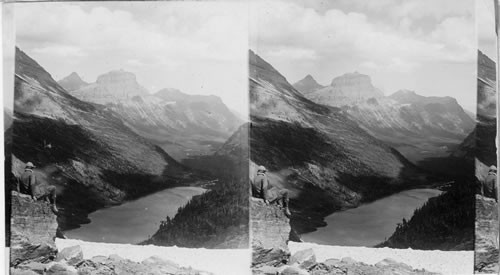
270 233
33 230
487 229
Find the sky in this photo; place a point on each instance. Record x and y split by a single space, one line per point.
429 46
197 47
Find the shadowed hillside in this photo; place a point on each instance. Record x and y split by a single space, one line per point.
324 158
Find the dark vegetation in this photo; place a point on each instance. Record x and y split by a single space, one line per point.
73 142
445 222
217 218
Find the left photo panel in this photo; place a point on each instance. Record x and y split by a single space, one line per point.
126 137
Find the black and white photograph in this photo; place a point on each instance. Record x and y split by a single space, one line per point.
361 140
126 138
486 239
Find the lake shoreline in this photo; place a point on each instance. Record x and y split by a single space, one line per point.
132 221
369 223
316 218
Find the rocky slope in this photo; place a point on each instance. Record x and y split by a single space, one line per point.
419 127
91 156
72 82
486 244
34 251
33 227
307 85
324 159
180 123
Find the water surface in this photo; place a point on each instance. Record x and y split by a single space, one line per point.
134 221
369 224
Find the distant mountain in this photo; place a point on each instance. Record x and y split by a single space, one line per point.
307 85
91 156
180 123
111 87
347 89
419 127
72 82
323 157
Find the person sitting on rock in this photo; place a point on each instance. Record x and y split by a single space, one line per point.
489 188
29 185
263 190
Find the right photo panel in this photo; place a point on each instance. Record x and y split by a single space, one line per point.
362 136
486 239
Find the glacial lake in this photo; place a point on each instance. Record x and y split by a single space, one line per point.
133 221
371 223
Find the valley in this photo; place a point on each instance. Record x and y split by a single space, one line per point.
343 147
99 144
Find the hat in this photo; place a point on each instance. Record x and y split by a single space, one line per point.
29 164
261 168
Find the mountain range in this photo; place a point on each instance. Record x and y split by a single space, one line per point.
419 127
85 150
180 123
318 152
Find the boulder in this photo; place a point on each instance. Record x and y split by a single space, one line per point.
163 265
38 268
72 255
332 262
348 260
270 232
304 258
33 231
60 268
16 271
294 270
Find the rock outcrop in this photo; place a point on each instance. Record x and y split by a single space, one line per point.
270 230
33 231
487 230
304 263
347 89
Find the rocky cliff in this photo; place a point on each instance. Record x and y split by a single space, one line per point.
111 87
347 89
33 230
417 126
270 231
486 241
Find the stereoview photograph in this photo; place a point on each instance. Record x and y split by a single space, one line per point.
127 138
361 140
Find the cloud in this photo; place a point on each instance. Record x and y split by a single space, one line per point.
335 33
198 47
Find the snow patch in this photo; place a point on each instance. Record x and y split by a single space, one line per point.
444 262
217 261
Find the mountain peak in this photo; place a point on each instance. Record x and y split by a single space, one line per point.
72 82
352 78
307 85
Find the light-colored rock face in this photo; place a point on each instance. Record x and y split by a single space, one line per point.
347 89
404 118
181 122
111 87
487 231
33 230
270 230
